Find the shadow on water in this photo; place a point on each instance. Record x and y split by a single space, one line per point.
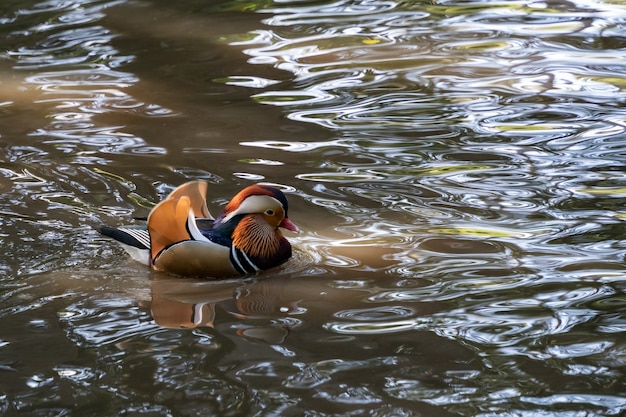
456 169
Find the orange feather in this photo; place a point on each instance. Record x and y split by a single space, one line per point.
167 224
256 237
196 191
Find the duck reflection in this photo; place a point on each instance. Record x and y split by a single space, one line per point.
270 307
182 303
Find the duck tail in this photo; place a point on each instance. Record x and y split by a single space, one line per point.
136 236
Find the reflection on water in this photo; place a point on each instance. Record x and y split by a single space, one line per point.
456 167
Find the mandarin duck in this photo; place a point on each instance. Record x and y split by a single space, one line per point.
181 236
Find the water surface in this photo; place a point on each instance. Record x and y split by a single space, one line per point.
456 168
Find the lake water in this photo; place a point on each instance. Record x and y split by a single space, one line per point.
457 168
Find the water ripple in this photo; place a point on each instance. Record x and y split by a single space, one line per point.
100 322
317 373
60 49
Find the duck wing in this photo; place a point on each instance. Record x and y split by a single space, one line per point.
178 246
135 239
196 191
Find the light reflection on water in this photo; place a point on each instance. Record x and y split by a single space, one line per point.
457 169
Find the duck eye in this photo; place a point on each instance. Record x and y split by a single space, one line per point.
269 212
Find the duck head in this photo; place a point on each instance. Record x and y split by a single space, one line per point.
252 219
265 203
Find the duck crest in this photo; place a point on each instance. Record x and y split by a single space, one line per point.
251 190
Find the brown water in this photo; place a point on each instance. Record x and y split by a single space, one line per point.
457 169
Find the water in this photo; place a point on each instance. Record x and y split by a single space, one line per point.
457 169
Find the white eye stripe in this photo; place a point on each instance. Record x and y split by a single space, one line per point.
254 204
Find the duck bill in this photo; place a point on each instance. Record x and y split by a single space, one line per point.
287 224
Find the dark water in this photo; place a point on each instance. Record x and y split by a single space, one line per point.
457 169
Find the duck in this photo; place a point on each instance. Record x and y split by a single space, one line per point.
181 237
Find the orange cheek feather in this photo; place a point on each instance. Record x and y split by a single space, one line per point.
256 238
